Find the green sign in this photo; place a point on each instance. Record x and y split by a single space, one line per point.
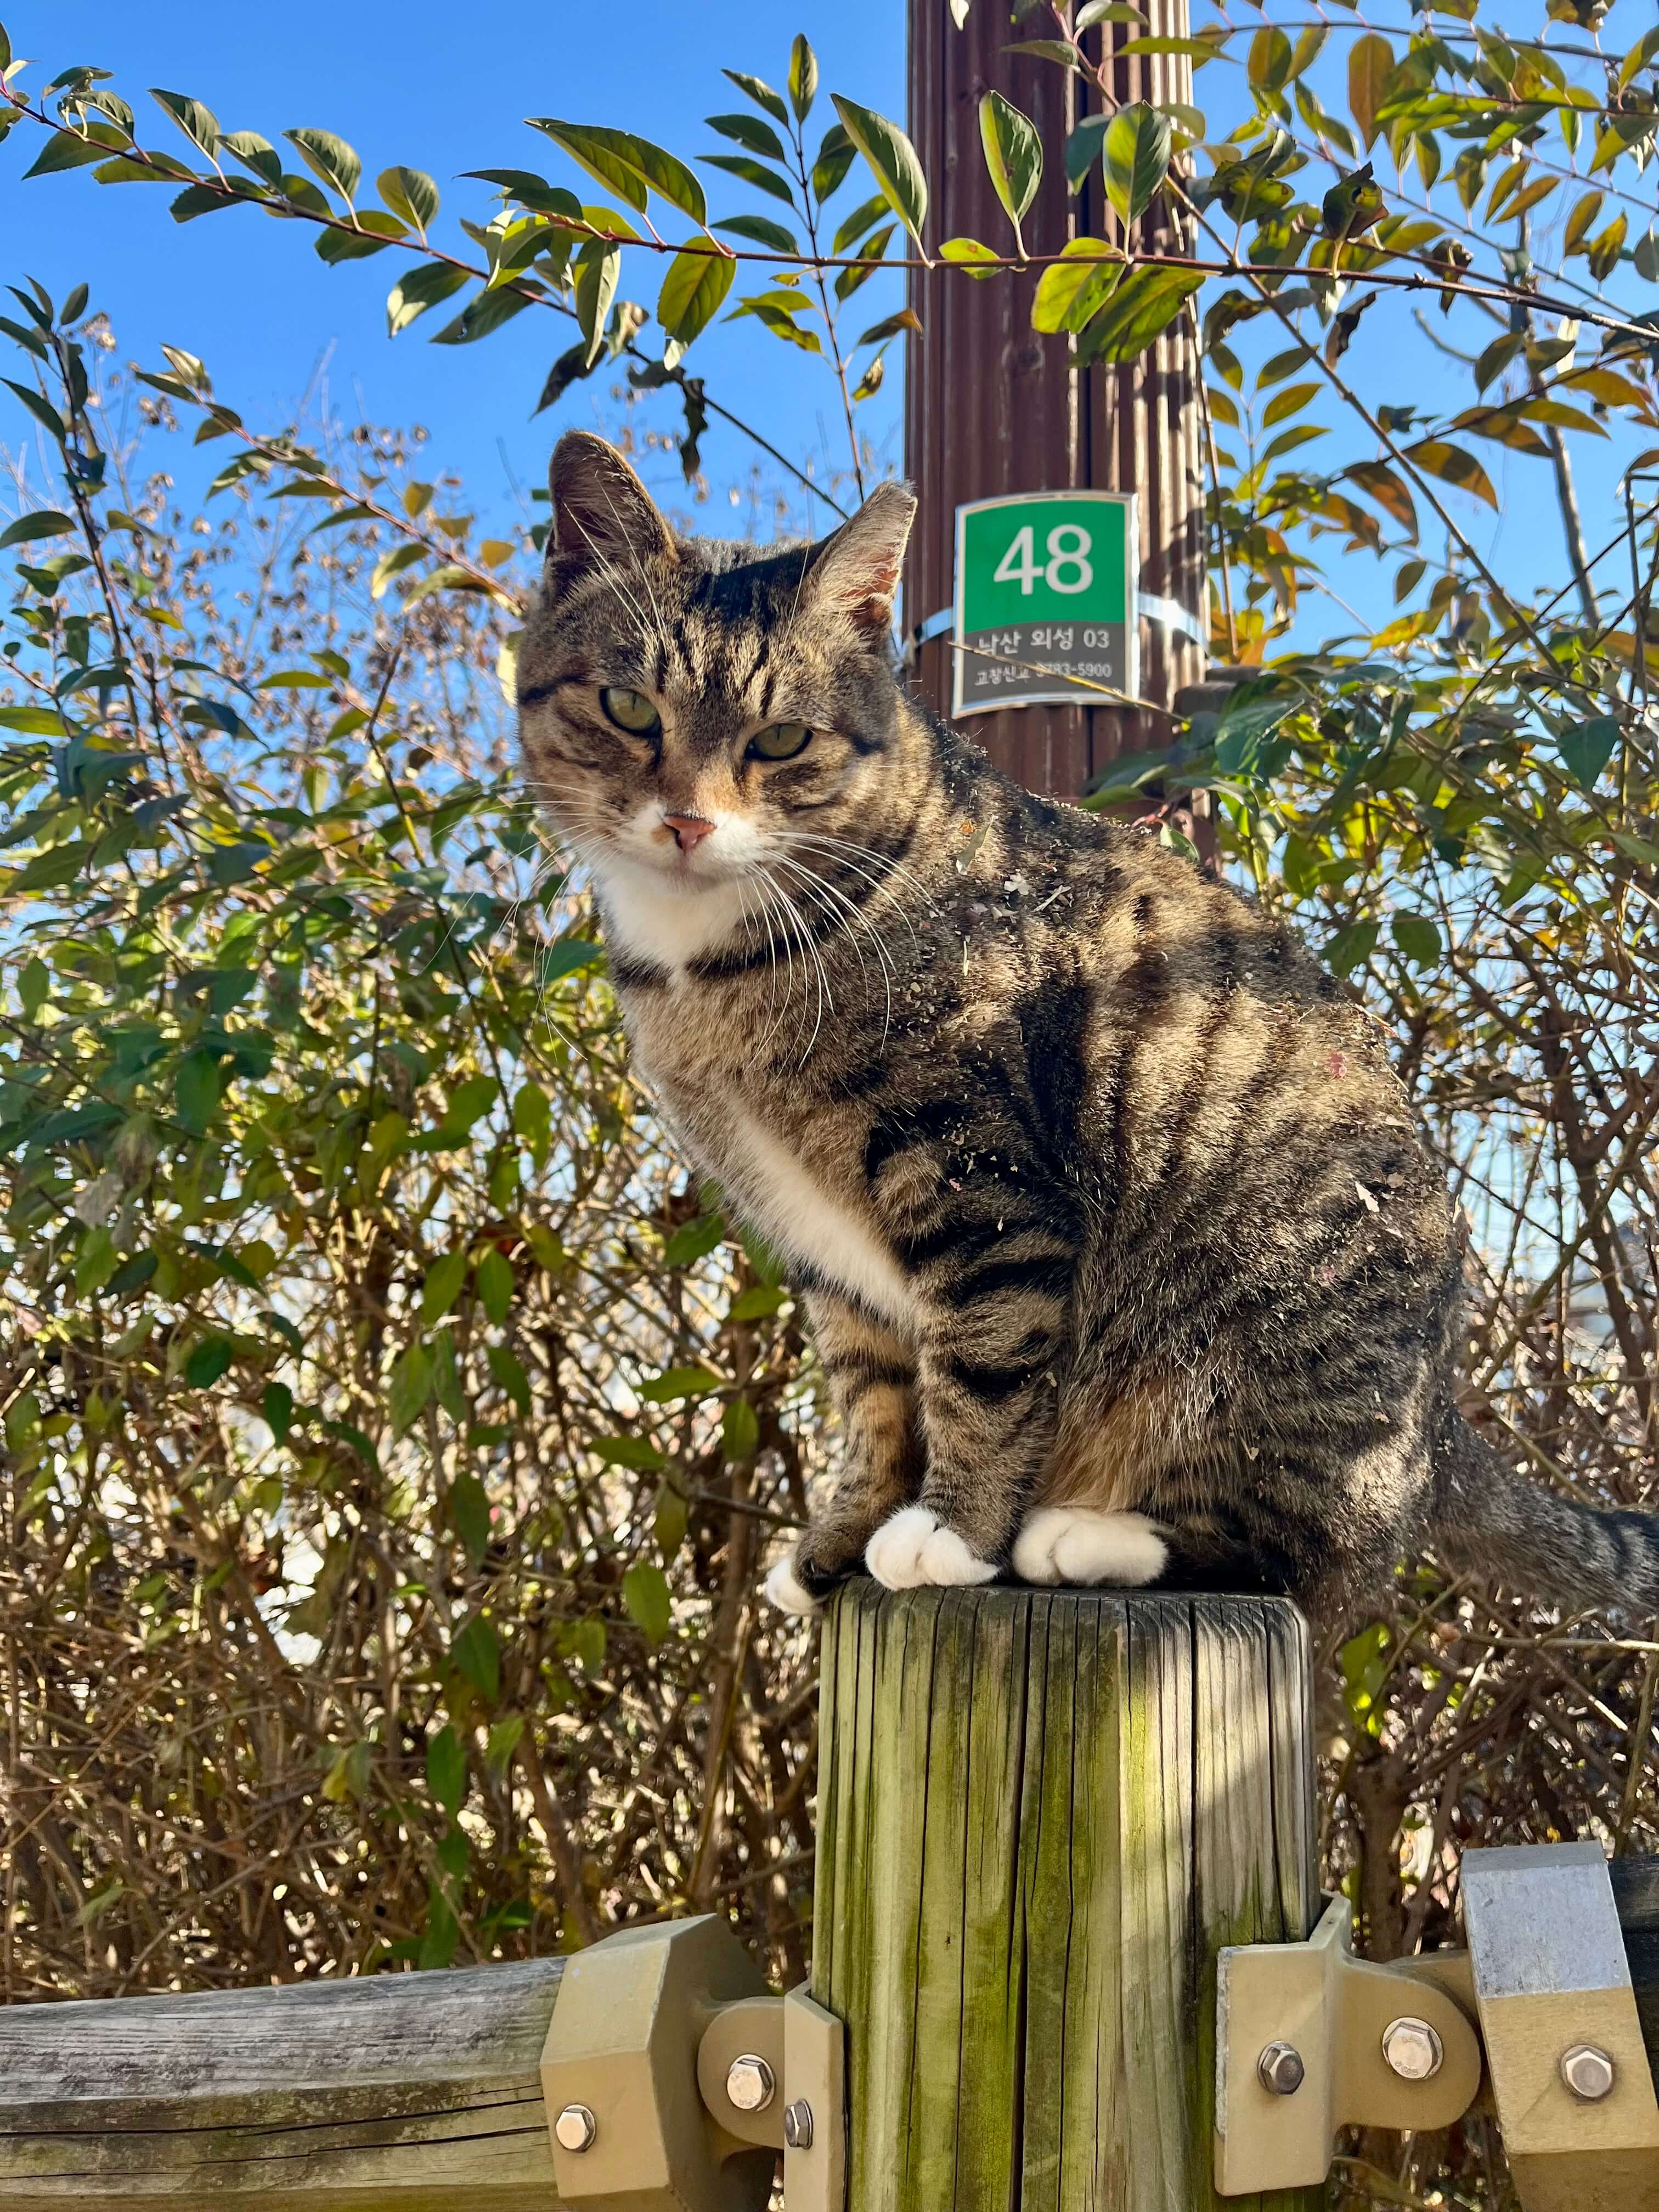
1045 597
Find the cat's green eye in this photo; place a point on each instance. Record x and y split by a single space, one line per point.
631 711
781 742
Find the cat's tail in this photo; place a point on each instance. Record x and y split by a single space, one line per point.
1485 1519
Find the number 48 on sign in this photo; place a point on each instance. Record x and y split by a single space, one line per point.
1043 594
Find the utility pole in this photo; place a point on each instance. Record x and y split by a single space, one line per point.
993 407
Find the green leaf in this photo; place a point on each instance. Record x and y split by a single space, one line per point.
484 313
694 1240
597 268
477 1652
255 153
45 522
761 231
418 289
645 1594
442 1284
494 1283
1587 748
196 1090
1136 153
1268 66
65 151
209 1361
1138 311
752 173
329 158
679 1382
1418 938
411 1386
636 1452
761 93
508 1370
1370 64
33 987
892 161
1083 148
739 1432
1013 155
692 292
277 1406
836 155
200 199
446 1769
803 78
757 1303
199 125
567 957
42 409
631 167
968 253
1077 286
1351 946
469 1514
410 193
1453 466
750 131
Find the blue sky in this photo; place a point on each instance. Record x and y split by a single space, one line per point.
417 84
410 85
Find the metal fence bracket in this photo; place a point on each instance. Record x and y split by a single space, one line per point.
673 2079
1569 2069
1309 2039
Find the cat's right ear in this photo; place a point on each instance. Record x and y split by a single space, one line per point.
604 518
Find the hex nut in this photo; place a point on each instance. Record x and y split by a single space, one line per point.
798 2124
1281 2069
749 2082
1589 2073
576 2127
1411 2048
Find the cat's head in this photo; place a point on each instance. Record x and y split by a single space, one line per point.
690 707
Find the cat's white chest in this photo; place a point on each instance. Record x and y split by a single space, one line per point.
803 1219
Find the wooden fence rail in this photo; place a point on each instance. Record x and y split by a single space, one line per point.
1041 1817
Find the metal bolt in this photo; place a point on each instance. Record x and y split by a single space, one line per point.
1411 2048
1587 2072
576 2128
749 2082
1281 2069
798 2124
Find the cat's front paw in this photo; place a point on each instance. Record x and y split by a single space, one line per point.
785 1589
914 1548
1074 1545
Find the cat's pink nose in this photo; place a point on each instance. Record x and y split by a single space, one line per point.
689 830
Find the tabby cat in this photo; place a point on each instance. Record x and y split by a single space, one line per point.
1124 1259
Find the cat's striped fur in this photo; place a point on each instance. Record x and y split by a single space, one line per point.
1124 1258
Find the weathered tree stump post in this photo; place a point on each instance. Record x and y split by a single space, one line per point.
1040 1818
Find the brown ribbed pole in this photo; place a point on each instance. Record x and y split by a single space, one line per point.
991 406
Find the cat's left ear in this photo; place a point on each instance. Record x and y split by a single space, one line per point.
857 570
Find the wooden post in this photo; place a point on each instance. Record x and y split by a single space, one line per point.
1040 1817
990 406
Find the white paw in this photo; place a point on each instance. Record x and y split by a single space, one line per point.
1071 1544
912 1548
786 1592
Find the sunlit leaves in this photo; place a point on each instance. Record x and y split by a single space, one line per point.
419 288
892 161
1371 65
1072 288
1136 155
329 158
1013 155
692 292
597 266
199 125
411 194
1453 466
803 78
761 93
1138 311
630 167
